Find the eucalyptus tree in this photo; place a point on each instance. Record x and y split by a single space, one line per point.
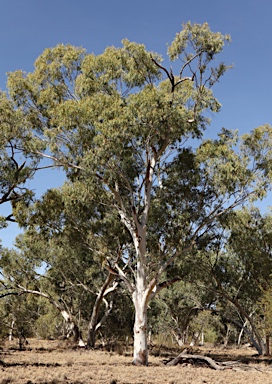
18 317
121 123
20 312
175 310
239 270
70 238
64 277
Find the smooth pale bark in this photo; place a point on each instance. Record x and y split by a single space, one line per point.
140 351
253 334
94 325
178 337
241 333
72 328
142 292
11 330
140 296
226 338
195 339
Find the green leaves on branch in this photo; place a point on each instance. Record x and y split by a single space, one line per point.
200 38
196 41
239 166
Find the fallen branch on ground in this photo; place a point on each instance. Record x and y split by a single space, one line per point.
185 357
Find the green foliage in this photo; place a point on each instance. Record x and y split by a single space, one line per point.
119 324
198 38
24 311
265 309
16 166
49 324
70 240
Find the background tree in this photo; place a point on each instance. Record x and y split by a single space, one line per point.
19 311
174 311
240 269
71 238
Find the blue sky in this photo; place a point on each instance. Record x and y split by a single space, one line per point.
27 27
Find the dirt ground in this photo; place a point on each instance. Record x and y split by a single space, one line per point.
53 362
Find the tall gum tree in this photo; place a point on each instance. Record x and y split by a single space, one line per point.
121 123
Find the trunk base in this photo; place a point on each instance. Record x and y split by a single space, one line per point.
141 358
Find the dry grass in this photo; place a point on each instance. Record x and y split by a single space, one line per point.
53 362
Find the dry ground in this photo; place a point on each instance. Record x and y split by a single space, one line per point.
53 362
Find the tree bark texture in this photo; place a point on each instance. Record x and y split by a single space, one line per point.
140 353
93 325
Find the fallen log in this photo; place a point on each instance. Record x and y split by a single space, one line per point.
176 360
184 356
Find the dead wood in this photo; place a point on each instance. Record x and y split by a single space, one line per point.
185 357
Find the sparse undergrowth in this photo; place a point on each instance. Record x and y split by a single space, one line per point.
54 362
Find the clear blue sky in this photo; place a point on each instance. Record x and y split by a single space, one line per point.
27 27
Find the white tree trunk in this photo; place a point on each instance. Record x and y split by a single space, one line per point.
202 338
94 324
178 337
140 292
11 330
140 299
140 353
